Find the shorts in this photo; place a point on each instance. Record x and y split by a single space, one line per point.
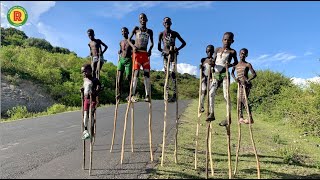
125 65
86 104
141 59
96 58
220 76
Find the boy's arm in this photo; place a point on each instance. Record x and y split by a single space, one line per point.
232 73
90 49
151 42
130 39
235 59
182 41
215 55
159 42
120 50
253 72
105 47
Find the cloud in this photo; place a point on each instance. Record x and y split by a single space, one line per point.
304 82
189 4
33 27
280 57
187 68
119 9
308 53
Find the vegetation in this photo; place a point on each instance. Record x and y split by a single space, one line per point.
284 153
273 95
59 71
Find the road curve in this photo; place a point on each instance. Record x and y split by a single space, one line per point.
51 146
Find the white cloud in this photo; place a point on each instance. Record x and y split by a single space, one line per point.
121 9
304 82
308 53
189 4
125 8
280 57
34 27
187 68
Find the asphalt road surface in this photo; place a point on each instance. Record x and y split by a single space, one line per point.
51 147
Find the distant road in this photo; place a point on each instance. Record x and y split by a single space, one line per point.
51 146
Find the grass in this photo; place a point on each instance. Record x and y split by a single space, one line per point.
283 151
21 112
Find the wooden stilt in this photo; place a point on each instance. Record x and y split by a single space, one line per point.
250 130
229 121
91 133
82 129
165 107
199 117
239 129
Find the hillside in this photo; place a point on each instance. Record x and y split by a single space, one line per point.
57 71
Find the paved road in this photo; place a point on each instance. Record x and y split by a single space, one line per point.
51 146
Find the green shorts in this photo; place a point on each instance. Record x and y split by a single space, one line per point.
125 65
220 76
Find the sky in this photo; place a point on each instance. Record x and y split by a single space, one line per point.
280 36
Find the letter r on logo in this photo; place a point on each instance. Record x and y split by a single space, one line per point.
17 16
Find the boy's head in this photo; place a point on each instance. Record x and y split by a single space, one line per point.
125 32
86 70
167 22
243 53
210 50
90 34
143 19
227 39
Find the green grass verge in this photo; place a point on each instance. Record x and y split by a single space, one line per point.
282 150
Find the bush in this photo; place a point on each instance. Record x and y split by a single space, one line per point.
18 112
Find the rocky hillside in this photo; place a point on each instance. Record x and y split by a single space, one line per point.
19 92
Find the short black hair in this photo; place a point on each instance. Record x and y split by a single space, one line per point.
125 28
230 34
86 66
245 50
210 46
91 31
167 18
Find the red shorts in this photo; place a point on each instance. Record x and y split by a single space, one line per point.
86 104
140 59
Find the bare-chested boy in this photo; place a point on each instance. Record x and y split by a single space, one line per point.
96 52
168 37
125 61
242 69
222 55
206 66
141 55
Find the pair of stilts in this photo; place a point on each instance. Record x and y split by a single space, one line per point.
92 122
209 128
166 107
150 118
93 127
130 104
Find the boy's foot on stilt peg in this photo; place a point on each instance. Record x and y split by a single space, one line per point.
134 99
202 109
211 117
223 123
246 121
147 99
85 135
118 96
173 99
241 121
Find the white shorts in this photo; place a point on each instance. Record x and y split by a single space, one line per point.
96 59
